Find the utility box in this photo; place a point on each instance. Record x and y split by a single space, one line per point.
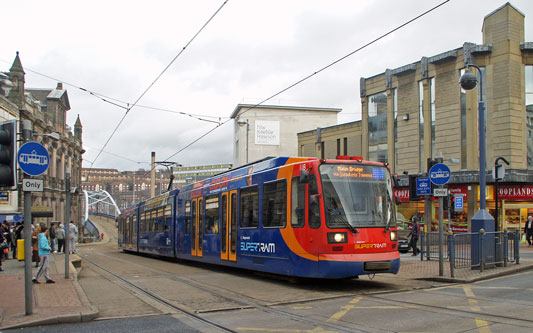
20 249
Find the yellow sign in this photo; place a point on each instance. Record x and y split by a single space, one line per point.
489 192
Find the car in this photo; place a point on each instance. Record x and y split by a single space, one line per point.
403 244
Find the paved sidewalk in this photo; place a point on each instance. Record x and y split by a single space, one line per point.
66 302
61 302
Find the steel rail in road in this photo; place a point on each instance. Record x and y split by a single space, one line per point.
249 304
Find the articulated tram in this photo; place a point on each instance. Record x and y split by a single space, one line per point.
293 216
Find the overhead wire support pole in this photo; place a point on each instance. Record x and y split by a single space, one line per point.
28 299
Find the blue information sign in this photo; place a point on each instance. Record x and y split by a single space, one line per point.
33 158
459 204
423 186
439 174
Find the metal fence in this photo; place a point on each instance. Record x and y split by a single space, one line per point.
479 250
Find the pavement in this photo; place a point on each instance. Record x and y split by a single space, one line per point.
66 302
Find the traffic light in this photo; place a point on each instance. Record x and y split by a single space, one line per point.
412 188
8 154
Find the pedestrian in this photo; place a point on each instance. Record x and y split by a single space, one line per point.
13 236
60 236
35 245
3 245
52 234
73 236
44 254
4 230
414 233
529 229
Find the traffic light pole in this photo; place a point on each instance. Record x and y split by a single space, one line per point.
26 135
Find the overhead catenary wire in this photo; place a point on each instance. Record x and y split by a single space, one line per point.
156 79
316 72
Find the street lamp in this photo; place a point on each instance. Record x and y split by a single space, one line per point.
482 219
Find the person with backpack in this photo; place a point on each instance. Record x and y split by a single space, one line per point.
414 233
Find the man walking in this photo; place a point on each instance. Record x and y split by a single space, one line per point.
73 236
415 231
44 254
529 229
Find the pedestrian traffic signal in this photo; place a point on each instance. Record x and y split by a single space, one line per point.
8 154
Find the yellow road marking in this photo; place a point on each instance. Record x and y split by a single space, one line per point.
344 311
482 325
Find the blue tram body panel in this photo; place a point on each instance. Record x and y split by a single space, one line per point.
176 223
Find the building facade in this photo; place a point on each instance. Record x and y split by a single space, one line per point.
268 130
190 174
418 112
330 142
46 109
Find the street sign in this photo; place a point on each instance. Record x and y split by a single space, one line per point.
32 185
423 186
498 172
458 207
439 174
440 192
33 158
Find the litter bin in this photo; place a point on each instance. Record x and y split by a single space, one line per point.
20 249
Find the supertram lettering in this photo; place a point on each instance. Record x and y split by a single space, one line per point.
370 246
258 247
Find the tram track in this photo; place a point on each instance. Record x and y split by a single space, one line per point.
246 304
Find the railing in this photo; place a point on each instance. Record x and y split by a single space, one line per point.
479 250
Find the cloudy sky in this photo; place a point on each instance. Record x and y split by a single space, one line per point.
251 50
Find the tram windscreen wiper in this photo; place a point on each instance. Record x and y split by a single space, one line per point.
342 219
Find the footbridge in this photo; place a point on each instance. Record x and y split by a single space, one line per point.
99 203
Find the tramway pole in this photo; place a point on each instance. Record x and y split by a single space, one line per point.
26 136
67 244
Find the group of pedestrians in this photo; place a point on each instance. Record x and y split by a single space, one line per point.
54 236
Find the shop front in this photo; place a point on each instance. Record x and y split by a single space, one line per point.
516 203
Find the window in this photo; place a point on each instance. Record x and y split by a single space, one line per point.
188 217
377 127
529 115
298 203
422 165
275 204
432 115
224 224
345 147
463 124
395 114
211 214
249 207
338 147
314 204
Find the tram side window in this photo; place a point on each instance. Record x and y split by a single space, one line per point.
314 204
211 214
188 217
298 203
275 204
144 222
249 207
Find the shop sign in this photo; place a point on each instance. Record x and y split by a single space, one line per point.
515 192
4 198
402 194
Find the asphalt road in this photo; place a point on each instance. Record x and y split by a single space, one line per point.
247 302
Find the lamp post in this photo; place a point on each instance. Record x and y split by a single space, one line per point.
482 219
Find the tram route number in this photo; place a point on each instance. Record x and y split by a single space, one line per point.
258 247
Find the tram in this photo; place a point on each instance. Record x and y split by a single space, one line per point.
293 216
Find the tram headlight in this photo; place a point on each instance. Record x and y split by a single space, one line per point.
393 235
337 237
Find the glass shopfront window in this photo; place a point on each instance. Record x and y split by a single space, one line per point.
529 115
377 127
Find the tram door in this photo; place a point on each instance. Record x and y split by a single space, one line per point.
197 227
228 234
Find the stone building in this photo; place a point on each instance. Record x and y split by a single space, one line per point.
418 111
46 109
268 130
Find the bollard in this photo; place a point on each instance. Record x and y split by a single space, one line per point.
505 247
422 251
517 247
451 252
20 249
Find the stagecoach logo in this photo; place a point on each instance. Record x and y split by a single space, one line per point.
258 247
371 246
